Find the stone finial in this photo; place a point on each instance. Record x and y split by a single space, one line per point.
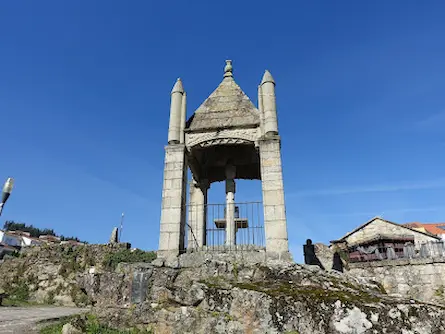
228 69
177 88
267 77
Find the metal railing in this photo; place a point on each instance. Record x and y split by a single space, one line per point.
425 250
206 227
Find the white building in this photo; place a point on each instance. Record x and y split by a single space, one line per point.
18 239
10 239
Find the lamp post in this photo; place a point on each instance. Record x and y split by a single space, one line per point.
7 188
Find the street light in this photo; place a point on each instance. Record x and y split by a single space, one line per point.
7 188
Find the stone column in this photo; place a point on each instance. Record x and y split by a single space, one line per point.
172 229
273 197
197 215
204 185
230 206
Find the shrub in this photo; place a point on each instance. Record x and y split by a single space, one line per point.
90 324
50 297
128 256
19 292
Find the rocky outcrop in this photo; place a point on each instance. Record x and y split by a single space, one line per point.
223 294
234 293
47 274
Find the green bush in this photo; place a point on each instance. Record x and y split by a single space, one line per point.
19 292
127 256
78 296
50 297
52 329
91 325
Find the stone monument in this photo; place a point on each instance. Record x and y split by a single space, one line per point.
114 238
227 138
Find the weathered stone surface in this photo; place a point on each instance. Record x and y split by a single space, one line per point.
171 236
275 225
273 297
221 137
228 106
49 274
324 254
114 238
224 293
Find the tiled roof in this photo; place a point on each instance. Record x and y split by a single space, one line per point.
430 227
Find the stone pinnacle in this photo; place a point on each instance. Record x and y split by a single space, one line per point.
228 69
177 88
267 77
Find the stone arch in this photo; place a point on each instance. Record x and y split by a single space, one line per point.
221 137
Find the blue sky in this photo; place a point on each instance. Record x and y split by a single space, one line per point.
84 107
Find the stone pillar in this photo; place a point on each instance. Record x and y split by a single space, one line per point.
204 185
230 206
172 229
197 216
273 197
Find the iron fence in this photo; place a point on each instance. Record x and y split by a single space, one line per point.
425 250
206 227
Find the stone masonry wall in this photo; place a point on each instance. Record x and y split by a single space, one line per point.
422 279
381 227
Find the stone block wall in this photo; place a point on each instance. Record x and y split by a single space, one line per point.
171 234
273 196
422 279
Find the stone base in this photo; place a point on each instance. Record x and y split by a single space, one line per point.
281 256
166 256
226 249
120 245
200 258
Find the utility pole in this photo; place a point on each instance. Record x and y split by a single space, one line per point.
122 225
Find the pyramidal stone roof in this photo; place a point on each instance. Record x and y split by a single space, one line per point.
227 107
